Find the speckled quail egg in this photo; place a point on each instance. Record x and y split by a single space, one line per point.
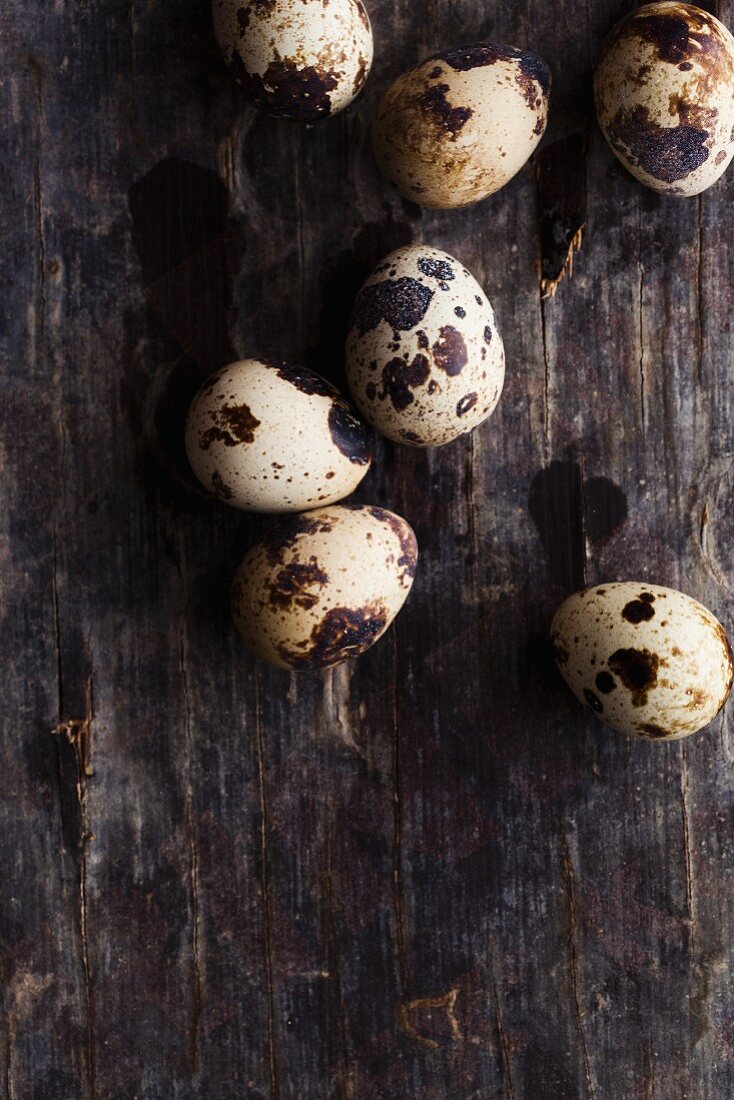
323 587
425 360
664 89
296 59
460 125
268 437
648 661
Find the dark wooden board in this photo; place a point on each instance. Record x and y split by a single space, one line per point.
429 874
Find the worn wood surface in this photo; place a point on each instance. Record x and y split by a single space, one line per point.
429 874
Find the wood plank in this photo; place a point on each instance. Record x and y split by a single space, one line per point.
429 873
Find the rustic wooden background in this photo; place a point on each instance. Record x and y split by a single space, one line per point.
430 874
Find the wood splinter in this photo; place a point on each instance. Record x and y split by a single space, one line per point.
561 179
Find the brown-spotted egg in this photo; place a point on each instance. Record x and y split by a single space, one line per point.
664 89
268 437
460 125
649 661
296 59
425 360
323 587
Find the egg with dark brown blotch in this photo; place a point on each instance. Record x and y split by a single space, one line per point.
664 89
294 59
425 359
460 125
323 587
648 661
266 436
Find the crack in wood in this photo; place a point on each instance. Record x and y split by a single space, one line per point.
38 197
703 524
690 896
78 733
133 52
640 314
546 380
333 966
504 1042
471 513
191 828
397 833
650 1083
699 290
265 886
8 1060
583 521
57 630
568 877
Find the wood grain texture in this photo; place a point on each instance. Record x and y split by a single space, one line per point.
428 874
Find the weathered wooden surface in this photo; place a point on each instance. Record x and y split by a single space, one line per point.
430 874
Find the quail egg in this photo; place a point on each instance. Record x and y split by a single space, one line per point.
296 59
460 125
268 437
648 661
425 360
664 89
323 587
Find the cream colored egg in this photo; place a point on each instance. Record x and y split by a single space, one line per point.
648 661
664 89
296 59
268 437
323 587
425 360
460 125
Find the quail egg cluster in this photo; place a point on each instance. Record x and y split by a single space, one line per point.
267 436
425 361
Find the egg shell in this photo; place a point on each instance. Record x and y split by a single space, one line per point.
460 125
321 588
648 661
294 59
425 359
268 437
664 89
